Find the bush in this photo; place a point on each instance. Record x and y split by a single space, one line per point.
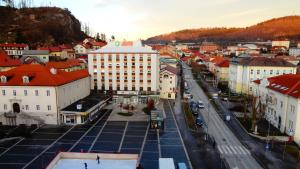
189 116
147 110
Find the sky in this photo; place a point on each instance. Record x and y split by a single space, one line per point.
141 19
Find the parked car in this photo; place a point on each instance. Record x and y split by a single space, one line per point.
194 107
215 95
199 121
200 104
187 95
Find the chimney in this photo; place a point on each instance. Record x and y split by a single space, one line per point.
53 71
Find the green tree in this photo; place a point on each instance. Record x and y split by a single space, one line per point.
97 37
19 38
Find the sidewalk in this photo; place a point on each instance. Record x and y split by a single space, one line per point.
271 159
138 114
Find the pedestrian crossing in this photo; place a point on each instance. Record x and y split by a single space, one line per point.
231 150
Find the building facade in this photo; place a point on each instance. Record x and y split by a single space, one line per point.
125 66
168 82
222 69
41 55
14 50
243 71
279 43
280 96
294 52
35 94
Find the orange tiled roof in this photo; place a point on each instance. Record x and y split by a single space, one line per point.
40 76
127 43
64 64
6 61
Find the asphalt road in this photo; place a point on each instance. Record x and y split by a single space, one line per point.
230 148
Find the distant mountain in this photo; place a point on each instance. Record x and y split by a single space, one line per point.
278 28
39 26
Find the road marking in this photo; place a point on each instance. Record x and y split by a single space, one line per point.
48 147
242 150
229 151
220 150
186 154
19 141
122 140
232 148
94 142
144 142
75 144
247 151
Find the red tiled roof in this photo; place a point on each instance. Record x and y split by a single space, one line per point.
64 64
51 49
13 45
41 76
224 63
64 46
6 61
101 44
85 45
171 69
55 49
185 58
288 84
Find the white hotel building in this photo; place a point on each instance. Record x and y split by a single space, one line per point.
126 68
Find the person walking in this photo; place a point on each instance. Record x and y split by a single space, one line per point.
85 165
98 159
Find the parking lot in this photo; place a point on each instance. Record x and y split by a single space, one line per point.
98 136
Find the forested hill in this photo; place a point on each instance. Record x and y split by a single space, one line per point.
39 26
278 28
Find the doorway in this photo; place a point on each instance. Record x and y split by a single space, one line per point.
16 108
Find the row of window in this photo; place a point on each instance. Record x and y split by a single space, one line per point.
25 92
270 72
126 88
37 107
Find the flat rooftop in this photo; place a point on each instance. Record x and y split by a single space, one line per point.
65 160
88 102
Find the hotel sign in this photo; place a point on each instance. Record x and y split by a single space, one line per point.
127 92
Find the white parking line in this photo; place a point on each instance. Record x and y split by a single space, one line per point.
75 144
19 141
124 133
144 142
94 142
48 147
